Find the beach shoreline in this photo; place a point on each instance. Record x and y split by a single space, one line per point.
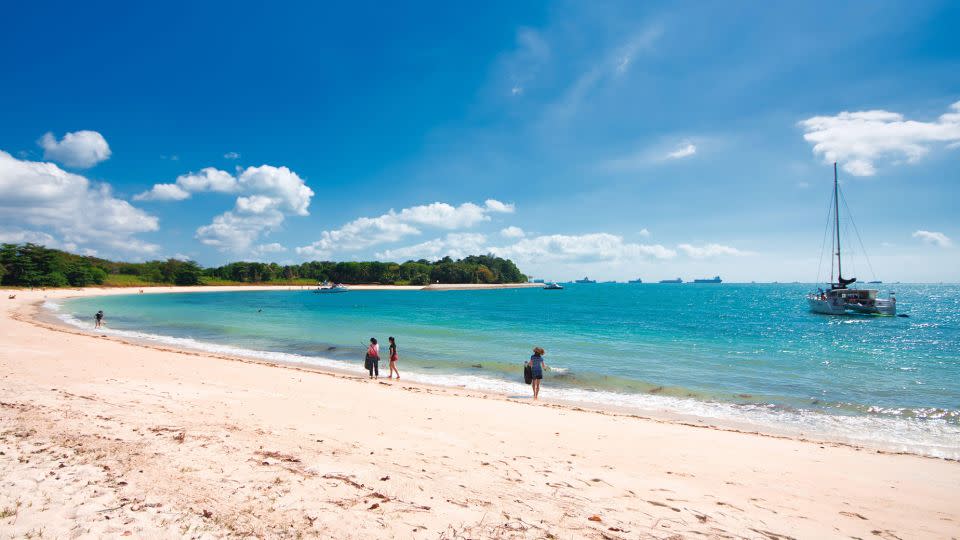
34 392
713 415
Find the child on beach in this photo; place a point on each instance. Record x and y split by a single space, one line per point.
373 359
99 318
393 358
537 364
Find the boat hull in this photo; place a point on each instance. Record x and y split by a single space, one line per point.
830 306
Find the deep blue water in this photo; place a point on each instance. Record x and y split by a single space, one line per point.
742 352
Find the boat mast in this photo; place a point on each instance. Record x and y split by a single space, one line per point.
836 223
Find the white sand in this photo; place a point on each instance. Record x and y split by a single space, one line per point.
105 438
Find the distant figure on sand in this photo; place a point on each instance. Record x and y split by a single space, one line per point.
393 358
537 364
373 358
99 318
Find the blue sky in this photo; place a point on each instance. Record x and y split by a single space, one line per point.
618 140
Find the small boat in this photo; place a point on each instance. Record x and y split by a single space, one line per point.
327 288
678 280
714 279
842 299
585 280
553 286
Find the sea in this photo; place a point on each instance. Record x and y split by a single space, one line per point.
745 355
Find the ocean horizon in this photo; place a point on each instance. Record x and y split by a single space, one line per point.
732 353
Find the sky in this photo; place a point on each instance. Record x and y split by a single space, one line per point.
617 140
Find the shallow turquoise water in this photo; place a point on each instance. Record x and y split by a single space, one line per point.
745 352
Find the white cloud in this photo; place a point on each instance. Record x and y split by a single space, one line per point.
272 193
264 249
455 245
42 195
232 155
581 248
860 139
181 257
710 250
512 232
494 205
20 236
234 231
682 151
80 149
934 238
208 179
644 233
163 192
393 226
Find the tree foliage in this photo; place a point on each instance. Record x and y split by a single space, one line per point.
31 265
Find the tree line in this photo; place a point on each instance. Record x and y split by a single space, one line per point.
473 269
32 265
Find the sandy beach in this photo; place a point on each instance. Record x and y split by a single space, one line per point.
104 438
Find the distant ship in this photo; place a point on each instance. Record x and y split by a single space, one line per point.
638 280
714 279
678 280
875 281
585 280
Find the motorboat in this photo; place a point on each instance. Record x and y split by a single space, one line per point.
553 286
327 288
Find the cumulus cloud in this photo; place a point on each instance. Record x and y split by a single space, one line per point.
644 233
512 232
163 192
710 250
41 195
934 238
581 248
860 139
79 149
207 179
455 245
393 226
270 194
683 151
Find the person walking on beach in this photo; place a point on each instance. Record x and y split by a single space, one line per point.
537 365
373 358
393 358
99 318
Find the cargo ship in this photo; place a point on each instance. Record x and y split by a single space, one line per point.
714 279
678 280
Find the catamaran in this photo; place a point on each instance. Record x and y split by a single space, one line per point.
842 299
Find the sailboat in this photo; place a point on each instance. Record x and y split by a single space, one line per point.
842 299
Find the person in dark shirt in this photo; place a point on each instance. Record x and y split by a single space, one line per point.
537 365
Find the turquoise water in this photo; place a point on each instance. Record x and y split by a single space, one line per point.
749 353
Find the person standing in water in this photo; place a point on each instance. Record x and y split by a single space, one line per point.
373 358
393 358
537 365
99 318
